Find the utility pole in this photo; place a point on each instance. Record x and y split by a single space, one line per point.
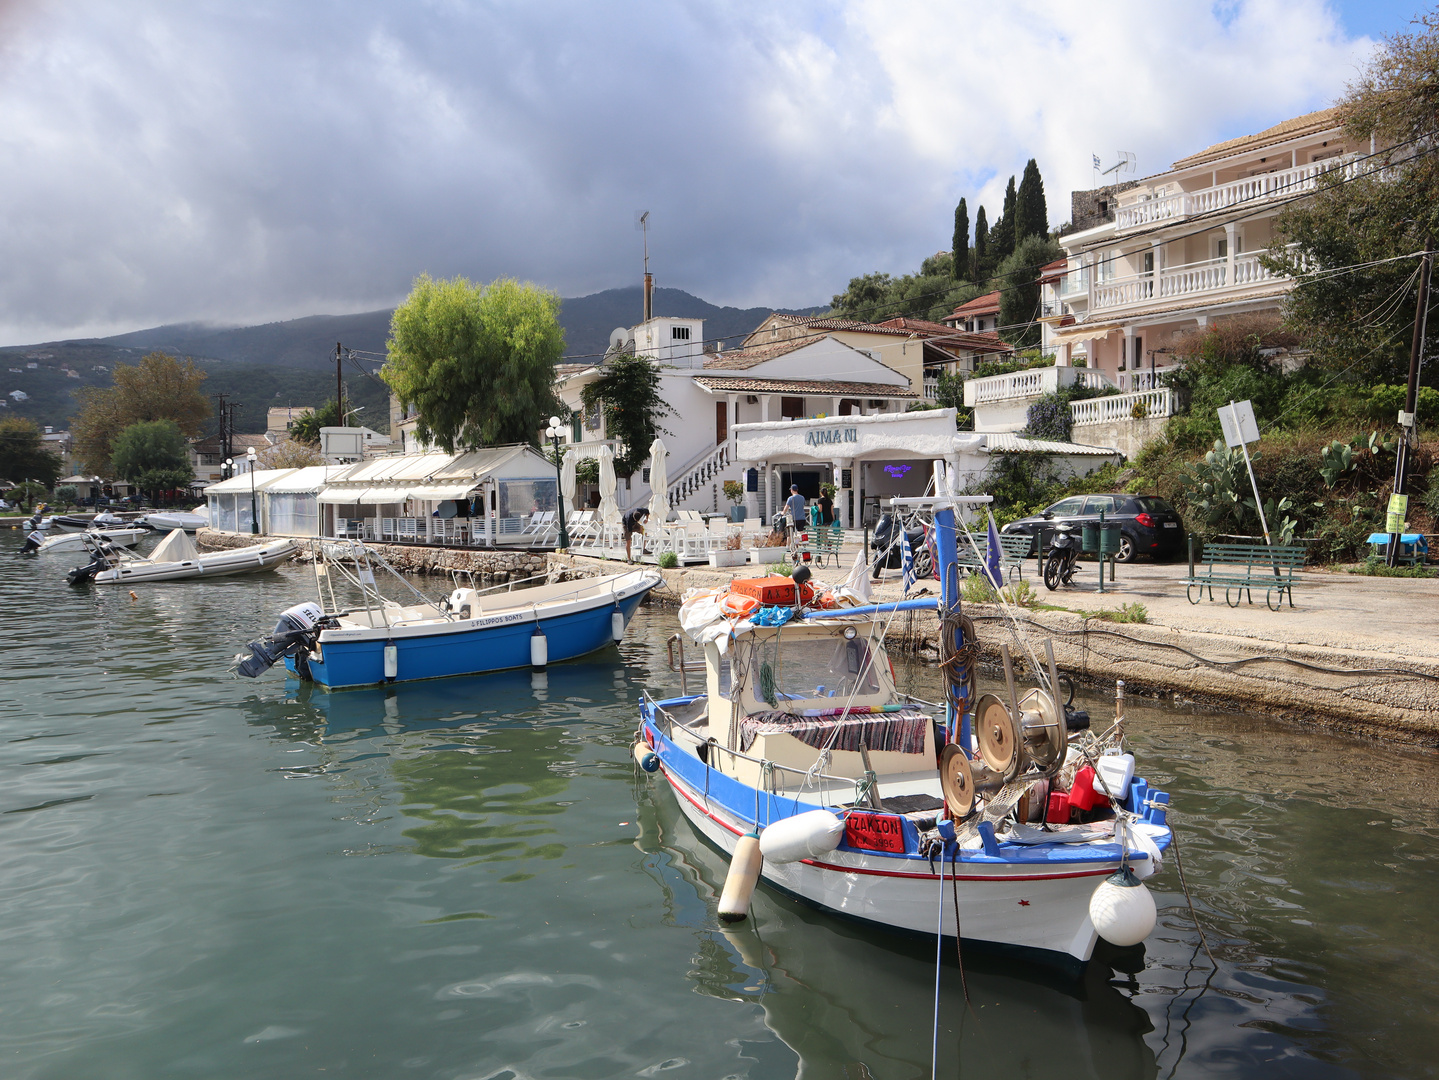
1408 435
339 385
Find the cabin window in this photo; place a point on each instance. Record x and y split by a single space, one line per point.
679 333
804 669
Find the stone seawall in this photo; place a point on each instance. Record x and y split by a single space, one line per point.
488 564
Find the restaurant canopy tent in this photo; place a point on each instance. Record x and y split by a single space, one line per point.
230 500
292 502
516 481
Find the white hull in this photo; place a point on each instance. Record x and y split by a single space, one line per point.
1017 907
75 541
183 520
246 560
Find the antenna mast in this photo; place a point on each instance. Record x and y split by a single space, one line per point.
649 309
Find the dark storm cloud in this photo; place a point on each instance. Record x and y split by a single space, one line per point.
236 162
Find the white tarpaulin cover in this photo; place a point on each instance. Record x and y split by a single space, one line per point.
659 483
176 547
338 496
388 495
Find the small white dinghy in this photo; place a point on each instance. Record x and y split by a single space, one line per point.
165 520
176 558
69 541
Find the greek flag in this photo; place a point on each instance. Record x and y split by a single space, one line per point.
1096 160
906 559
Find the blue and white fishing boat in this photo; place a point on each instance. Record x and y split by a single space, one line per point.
470 632
1002 819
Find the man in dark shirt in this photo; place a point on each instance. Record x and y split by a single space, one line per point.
826 508
635 523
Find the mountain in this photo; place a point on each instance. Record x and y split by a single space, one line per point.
293 362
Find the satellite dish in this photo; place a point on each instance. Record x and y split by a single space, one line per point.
619 336
1124 164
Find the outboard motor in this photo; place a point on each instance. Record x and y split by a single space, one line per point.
32 543
104 559
294 635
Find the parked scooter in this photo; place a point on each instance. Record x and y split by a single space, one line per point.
885 542
1061 564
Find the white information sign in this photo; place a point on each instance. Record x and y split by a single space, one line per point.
1237 420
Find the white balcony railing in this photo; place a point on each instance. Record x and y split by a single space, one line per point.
1252 189
1190 279
1107 410
1029 384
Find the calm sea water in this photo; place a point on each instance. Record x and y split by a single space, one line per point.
202 877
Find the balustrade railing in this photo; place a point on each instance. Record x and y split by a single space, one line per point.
1106 410
1276 185
694 476
1034 382
1186 280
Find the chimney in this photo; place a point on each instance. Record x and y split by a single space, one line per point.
649 297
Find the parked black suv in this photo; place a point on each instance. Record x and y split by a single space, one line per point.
1147 525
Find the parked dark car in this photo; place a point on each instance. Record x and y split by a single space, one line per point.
1147 525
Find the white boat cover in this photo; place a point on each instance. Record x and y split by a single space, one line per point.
176 547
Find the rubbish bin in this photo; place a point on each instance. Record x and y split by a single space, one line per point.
1108 538
1089 537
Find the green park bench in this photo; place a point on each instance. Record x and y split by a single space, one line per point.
1238 568
824 543
1014 549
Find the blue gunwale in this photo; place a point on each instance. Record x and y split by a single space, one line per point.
738 800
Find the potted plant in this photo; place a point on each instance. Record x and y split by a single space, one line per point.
734 492
731 554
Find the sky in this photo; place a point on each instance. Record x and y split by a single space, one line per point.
195 160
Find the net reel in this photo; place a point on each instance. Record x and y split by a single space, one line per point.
1022 740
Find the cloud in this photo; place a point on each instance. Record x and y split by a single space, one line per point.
245 162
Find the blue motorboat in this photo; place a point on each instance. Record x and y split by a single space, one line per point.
469 632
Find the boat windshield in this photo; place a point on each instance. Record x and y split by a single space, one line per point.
804 668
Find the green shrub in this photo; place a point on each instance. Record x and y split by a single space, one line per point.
978 589
1129 613
1374 566
668 560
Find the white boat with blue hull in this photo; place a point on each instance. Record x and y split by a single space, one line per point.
469 632
803 762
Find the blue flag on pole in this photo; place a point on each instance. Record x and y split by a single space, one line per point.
906 559
991 556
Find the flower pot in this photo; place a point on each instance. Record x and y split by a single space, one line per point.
726 557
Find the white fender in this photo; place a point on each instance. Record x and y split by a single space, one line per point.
804 836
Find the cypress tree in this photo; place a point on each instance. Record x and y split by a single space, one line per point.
960 269
1003 243
981 243
1031 213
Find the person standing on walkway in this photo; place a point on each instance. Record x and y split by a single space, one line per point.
635 523
826 507
794 507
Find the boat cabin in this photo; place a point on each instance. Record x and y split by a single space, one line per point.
782 697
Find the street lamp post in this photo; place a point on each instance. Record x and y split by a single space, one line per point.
553 434
254 509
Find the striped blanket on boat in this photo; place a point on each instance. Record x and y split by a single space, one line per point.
901 732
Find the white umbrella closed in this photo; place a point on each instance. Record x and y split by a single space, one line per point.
659 483
609 509
567 480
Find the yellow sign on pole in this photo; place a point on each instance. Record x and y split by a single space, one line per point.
1398 511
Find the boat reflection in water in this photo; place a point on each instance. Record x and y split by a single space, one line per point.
853 1005
465 700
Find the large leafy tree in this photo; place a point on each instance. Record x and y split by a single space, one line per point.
159 387
628 390
960 245
1031 215
1359 322
477 362
306 430
152 455
23 455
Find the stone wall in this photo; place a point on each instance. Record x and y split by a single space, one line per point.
1128 436
1096 206
487 564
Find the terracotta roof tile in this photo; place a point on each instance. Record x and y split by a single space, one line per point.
740 359
801 386
988 304
915 326
1289 129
